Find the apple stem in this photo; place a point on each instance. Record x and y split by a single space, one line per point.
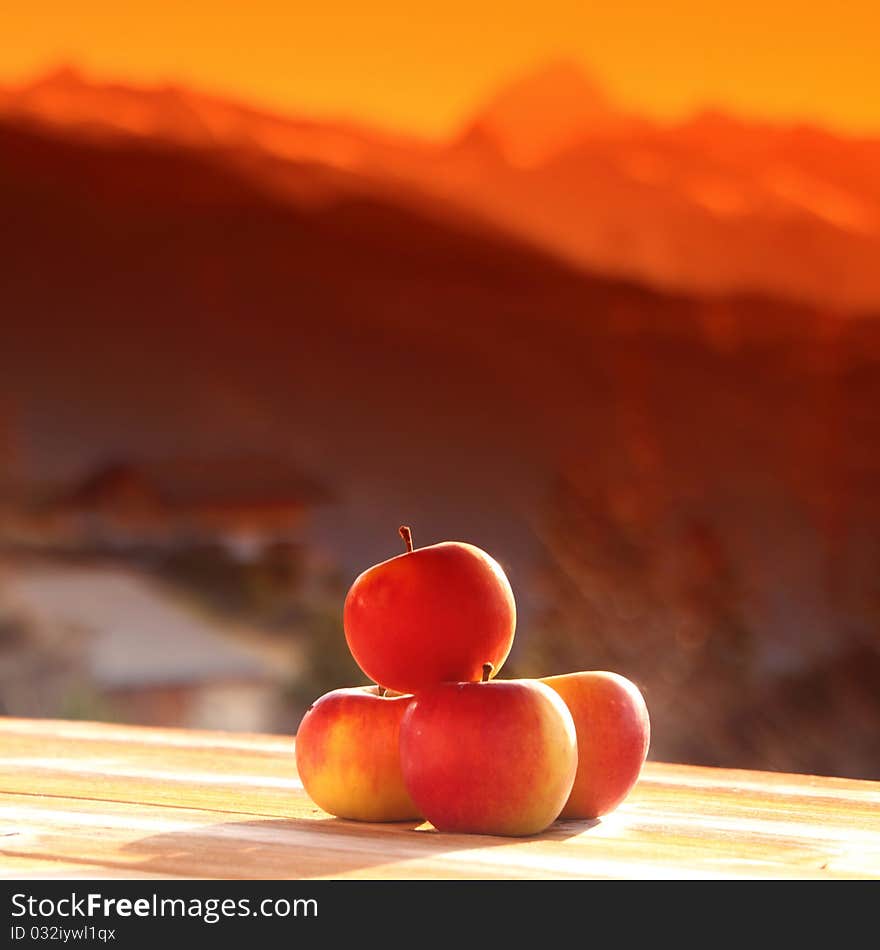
406 534
487 671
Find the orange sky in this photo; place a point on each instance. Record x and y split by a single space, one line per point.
423 69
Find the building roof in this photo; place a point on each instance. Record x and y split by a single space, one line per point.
185 483
136 634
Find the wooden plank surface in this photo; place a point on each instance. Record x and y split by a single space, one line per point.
93 800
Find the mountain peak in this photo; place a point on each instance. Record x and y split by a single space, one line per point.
545 110
561 82
62 76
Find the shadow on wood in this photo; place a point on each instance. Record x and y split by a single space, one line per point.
329 847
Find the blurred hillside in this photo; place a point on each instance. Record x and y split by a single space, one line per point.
682 488
712 205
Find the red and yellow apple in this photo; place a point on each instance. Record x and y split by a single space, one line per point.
495 758
613 734
434 614
347 755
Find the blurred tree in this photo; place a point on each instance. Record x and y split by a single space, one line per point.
327 663
40 664
651 593
261 588
640 579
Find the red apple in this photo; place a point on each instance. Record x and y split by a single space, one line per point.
495 758
433 614
613 735
347 755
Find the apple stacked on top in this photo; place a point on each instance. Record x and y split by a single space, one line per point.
438 737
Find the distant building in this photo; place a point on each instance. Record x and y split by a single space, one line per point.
106 642
87 632
243 503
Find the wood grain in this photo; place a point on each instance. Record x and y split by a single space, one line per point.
90 800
